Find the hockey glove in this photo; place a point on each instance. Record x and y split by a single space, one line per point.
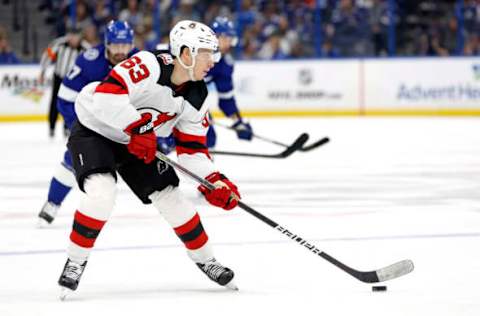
166 144
225 195
243 129
143 142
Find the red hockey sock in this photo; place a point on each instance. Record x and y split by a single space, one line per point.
85 230
192 233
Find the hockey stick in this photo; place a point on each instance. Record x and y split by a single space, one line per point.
387 273
296 145
316 144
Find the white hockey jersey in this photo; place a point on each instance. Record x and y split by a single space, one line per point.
142 84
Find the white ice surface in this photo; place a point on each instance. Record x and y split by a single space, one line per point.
382 190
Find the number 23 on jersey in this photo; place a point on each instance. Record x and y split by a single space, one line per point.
136 69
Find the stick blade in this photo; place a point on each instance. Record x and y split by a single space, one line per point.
395 270
297 144
316 144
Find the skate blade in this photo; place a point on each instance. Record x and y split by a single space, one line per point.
64 292
232 286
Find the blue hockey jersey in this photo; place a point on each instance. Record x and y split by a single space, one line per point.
90 66
221 75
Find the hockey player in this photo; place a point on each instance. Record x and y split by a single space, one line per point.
92 65
221 75
118 120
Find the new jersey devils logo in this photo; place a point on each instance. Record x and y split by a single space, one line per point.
162 118
158 117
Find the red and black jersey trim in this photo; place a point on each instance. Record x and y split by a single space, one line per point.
192 233
113 84
85 230
190 144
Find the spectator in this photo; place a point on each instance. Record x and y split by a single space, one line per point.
328 51
471 16
379 21
101 15
247 15
271 49
131 14
90 35
7 56
147 33
83 18
186 11
352 30
249 43
472 46
450 34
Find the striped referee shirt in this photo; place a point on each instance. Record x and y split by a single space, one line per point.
62 55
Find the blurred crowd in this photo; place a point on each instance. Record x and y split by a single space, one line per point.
291 28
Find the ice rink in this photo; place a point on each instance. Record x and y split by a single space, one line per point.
383 190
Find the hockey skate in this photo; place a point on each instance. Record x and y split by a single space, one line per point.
47 214
72 272
218 273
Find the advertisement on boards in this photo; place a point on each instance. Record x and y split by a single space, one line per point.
21 94
295 86
421 84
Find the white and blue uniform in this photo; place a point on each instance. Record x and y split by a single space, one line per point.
221 75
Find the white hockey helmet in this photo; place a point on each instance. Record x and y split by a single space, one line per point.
194 35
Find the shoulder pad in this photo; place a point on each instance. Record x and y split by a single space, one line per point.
91 54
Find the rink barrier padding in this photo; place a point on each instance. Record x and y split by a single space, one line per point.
427 86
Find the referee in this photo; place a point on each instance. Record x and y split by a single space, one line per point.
62 52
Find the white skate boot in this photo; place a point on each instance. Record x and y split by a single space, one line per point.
47 214
72 272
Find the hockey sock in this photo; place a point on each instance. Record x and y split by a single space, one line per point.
84 234
57 191
62 182
192 233
95 208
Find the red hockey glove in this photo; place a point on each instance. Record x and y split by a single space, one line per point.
225 194
143 142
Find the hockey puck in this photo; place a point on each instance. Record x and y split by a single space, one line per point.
379 288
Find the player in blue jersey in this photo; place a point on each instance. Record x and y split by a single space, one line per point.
221 75
93 65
